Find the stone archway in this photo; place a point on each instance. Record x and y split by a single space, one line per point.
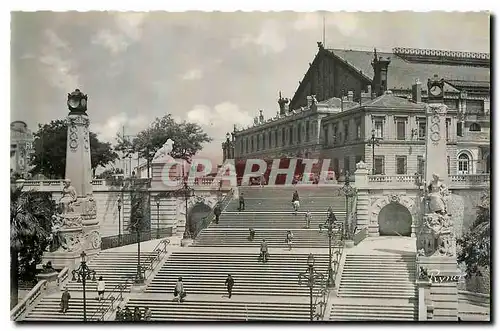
394 219
410 214
196 215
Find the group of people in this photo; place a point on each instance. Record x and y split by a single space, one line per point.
125 315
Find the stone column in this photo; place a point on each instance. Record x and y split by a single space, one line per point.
436 242
76 227
363 199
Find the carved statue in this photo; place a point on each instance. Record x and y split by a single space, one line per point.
314 100
68 198
361 165
163 154
437 192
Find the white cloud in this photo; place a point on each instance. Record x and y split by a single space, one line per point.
308 21
108 130
193 74
127 29
269 39
58 62
219 119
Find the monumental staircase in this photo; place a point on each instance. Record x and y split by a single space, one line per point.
377 284
267 291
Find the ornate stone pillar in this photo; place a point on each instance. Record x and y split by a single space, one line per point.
436 241
75 228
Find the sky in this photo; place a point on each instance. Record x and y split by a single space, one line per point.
215 69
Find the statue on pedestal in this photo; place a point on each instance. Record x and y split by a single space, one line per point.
436 233
69 197
163 154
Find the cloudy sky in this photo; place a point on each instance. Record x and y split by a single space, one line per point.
215 69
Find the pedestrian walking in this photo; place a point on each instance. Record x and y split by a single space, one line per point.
295 201
308 219
119 314
179 292
217 212
264 253
101 286
65 301
242 202
289 239
229 284
137 314
251 234
147 314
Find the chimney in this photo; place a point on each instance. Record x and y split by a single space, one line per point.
350 96
380 66
309 101
261 117
366 96
416 91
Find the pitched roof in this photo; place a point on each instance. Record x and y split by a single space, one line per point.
389 100
402 74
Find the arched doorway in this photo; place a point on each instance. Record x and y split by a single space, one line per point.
394 219
464 164
196 216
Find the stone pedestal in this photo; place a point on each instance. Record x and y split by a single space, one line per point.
186 242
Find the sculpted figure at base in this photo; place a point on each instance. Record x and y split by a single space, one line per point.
437 192
163 154
69 197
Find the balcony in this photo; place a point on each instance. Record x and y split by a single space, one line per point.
410 181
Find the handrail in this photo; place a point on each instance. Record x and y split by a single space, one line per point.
155 259
208 218
103 310
32 295
62 276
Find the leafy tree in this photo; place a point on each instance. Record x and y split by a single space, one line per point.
30 225
475 245
188 139
139 204
49 157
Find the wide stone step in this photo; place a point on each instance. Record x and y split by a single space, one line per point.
48 309
222 310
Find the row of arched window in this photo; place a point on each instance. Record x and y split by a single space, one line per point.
279 137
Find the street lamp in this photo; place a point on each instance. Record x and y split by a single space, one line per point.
157 200
329 225
372 142
138 277
311 277
186 192
120 204
84 273
349 192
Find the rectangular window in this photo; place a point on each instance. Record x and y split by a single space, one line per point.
448 165
422 125
448 123
346 164
290 136
276 138
459 129
335 132
420 164
401 165
379 165
346 131
400 130
307 131
379 129
358 129
327 138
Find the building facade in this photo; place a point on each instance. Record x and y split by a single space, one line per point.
346 94
21 147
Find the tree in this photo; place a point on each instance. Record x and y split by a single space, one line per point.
49 157
188 139
475 245
30 225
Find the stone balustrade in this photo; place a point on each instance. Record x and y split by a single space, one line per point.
202 183
410 181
